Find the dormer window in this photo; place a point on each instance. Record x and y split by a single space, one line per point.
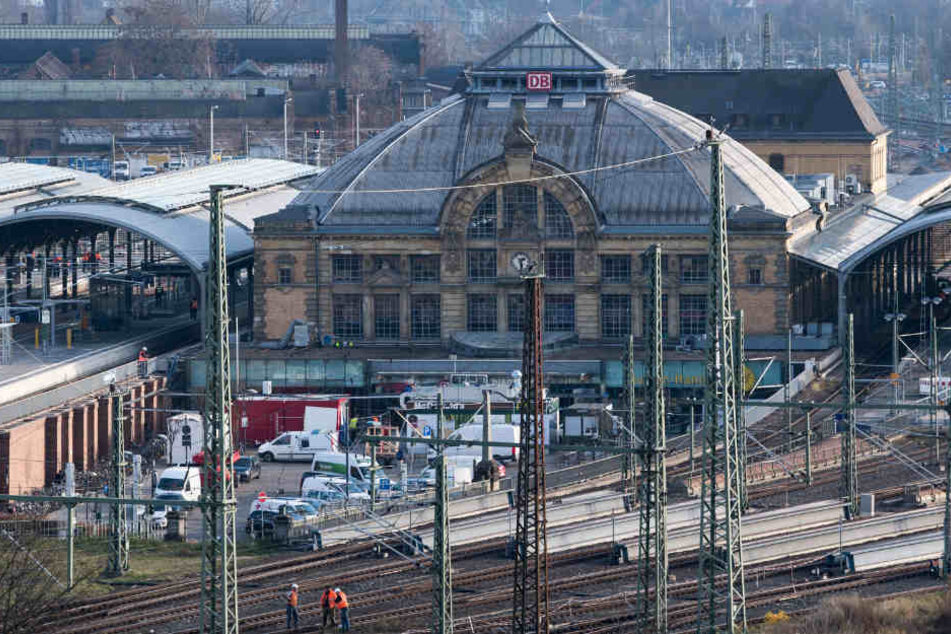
739 120
777 120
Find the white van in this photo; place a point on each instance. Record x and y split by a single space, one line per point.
473 431
179 483
334 464
298 446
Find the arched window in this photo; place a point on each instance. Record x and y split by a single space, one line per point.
557 222
482 225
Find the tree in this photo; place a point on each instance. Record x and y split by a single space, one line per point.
171 50
31 594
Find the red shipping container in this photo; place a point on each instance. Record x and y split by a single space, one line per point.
258 419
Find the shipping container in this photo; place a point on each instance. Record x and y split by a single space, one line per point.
258 419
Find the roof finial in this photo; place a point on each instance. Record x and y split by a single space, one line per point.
547 17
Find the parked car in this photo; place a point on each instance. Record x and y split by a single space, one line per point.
247 468
148 170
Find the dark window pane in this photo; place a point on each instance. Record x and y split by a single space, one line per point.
693 314
559 313
425 268
483 223
425 317
482 265
694 269
615 316
616 268
347 268
348 316
754 276
284 275
482 313
516 306
560 265
386 314
645 264
557 222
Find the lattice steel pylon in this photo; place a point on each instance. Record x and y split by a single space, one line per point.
442 556
946 558
628 469
652 536
530 597
118 534
219 565
739 359
721 549
850 476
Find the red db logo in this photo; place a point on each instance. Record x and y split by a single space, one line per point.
539 82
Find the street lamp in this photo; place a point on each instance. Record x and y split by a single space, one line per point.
211 135
286 101
895 320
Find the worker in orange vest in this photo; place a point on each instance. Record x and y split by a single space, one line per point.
327 601
344 606
292 601
143 362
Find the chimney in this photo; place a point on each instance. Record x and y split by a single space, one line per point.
341 50
24 18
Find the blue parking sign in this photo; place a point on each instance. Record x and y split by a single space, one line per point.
427 432
384 484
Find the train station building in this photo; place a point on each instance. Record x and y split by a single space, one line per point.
406 245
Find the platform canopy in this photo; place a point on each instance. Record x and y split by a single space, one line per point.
171 209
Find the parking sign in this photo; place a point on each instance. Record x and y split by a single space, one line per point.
427 432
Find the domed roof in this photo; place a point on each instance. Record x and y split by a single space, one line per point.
398 180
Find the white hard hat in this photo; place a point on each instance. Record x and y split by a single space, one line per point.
144 349
336 589
294 585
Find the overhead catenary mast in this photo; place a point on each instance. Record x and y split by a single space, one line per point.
722 601
652 534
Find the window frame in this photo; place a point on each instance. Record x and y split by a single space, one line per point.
417 267
698 326
340 329
560 271
618 327
285 275
352 276
557 216
384 330
482 312
694 269
486 210
754 276
513 323
420 329
616 279
476 254
552 322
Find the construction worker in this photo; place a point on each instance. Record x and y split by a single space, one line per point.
193 308
292 601
344 606
327 601
143 362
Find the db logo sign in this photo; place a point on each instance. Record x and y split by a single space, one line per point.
539 82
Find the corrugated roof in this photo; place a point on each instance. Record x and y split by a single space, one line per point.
223 32
18 177
440 146
850 236
177 191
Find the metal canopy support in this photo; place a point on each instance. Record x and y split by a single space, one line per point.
219 565
739 358
442 557
628 470
530 587
850 478
652 535
722 603
118 534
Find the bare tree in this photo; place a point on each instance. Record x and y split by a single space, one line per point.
31 593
